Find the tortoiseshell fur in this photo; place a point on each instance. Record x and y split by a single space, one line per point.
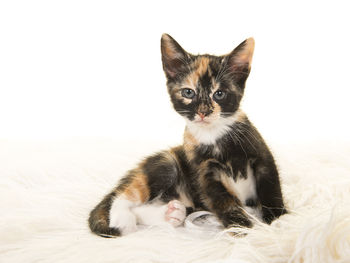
220 146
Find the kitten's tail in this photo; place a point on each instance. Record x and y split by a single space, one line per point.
99 218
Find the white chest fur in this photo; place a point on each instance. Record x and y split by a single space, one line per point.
243 188
209 133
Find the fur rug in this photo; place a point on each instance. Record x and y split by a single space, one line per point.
47 190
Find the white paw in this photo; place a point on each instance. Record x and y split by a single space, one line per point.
176 213
121 217
124 221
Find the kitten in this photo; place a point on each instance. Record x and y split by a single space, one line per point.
223 166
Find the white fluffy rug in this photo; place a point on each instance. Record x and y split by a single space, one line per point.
47 190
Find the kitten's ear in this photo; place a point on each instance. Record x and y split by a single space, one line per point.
240 59
174 57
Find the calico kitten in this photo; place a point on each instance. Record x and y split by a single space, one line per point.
223 166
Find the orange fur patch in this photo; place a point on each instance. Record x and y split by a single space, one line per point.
216 108
169 50
200 67
138 190
240 116
177 92
225 181
190 143
245 55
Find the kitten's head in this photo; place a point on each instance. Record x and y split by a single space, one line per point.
206 89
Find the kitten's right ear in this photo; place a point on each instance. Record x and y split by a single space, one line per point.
174 57
240 60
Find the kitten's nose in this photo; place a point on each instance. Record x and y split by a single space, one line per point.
201 115
203 111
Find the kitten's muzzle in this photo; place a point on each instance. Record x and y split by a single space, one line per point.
202 116
203 111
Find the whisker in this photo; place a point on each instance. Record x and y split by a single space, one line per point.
245 128
242 133
227 113
184 112
221 72
238 140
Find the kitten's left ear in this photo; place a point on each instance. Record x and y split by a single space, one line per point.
240 59
174 57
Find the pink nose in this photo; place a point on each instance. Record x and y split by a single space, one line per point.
201 115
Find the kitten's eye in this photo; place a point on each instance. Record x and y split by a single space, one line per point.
219 95
188 93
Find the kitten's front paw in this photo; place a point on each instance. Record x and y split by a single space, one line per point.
271 214
235 217
176 213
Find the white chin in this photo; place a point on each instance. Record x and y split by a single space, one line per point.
202 123
208 132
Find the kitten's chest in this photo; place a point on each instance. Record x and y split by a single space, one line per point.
226 152
237 174
240 183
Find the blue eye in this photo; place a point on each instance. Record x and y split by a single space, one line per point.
188 93
219 95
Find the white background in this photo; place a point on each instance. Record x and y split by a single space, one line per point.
93 68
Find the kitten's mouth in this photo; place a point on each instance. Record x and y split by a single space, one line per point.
204 122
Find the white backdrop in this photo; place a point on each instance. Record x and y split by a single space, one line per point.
83 97
93 68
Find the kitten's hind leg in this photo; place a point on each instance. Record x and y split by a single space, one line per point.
113 216
155 177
